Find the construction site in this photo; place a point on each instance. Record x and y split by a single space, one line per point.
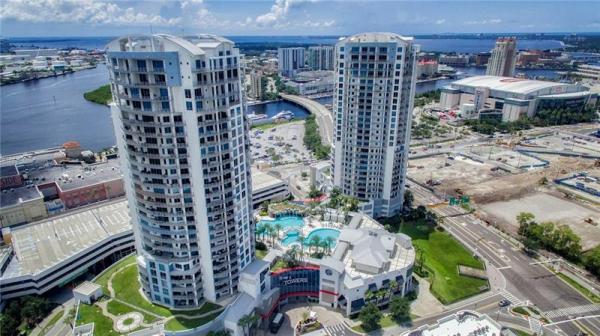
502 179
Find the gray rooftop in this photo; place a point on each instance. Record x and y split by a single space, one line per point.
263 181
9 170
39 246
377 37
14 196
69 177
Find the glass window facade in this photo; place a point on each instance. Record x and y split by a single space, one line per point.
296 280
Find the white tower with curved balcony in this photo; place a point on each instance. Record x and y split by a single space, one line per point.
179 122
372 106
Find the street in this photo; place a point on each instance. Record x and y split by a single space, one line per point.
523 278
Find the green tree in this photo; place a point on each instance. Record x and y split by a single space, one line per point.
316 242
219 333
370 316
247 322
591 260
408 199
278 228
399 308
314 192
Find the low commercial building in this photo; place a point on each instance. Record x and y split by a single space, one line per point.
320 176
464 322
10 177
51 253
512 98
87 292
21 205
367 258
309 83
588 71
426 68
454 60
266 187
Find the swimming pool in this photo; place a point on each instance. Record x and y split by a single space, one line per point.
292 236
286 222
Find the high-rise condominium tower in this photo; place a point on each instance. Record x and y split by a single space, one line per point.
375 83
290 60
504 56
179 123
321 58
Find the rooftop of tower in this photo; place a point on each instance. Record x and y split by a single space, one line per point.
377 37
194 44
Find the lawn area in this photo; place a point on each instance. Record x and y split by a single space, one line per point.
385 322
521 310
101 95
117 308
102 280
270 125
519 332
53 321
127 288
181 323
102 324
260 254
584 291
442 254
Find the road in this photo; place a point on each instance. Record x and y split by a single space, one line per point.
323 116
524 278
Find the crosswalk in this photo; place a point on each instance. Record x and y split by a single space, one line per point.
577 310
335 330
535 326
514 301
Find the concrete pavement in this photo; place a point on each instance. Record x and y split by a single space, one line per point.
525 278
323 116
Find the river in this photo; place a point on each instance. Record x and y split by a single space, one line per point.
48 112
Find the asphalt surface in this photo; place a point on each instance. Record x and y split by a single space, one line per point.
524 278
323 116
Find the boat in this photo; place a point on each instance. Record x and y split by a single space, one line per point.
287 115
257 119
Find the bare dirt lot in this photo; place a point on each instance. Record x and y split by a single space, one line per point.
548 207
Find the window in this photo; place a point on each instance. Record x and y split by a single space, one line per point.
188 106
188 94
166 106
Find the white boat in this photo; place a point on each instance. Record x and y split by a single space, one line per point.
283 115
256 119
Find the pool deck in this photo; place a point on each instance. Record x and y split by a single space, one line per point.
310 225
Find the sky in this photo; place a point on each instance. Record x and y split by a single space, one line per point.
25 18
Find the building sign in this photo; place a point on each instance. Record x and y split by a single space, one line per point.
300 279
293 281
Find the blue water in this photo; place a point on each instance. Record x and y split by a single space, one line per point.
48 112
286 222
292 236
323 233
272 108
442 45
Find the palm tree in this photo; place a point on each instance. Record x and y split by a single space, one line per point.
393 285
278 228
272 234
301 240
247 322
260 230
329 241
315 241
369 295
267 228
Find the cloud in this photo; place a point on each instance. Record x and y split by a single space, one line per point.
484 22
78 11
278 12
440 21
318 24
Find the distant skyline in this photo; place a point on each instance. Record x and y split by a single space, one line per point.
24 18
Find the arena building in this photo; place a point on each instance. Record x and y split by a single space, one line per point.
512 98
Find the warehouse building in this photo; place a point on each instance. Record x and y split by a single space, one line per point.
512 98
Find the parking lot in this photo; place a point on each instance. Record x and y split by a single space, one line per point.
282 144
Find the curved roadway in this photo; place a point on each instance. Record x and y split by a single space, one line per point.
323 116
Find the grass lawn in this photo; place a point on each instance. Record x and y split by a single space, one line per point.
181 323
385 322
101 95
117 308
102 280
519 332
53 321
102 324
521 310
442 254
271 125
260 254
127 288
279 264
584 291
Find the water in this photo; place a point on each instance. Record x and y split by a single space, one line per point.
48 112
272 108
442 45
323 233
286 222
